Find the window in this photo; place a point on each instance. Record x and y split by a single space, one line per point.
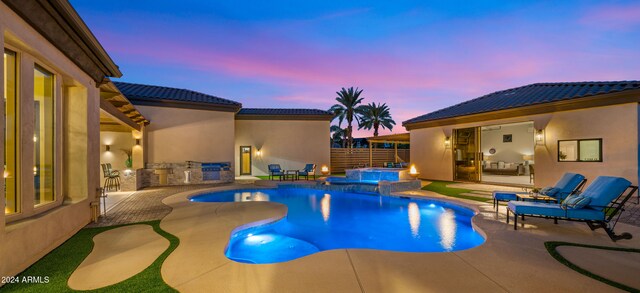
580 150
43 136
10 131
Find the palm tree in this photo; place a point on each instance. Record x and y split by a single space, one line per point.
347 109
374 116
338 135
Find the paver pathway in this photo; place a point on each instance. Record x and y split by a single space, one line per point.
144 205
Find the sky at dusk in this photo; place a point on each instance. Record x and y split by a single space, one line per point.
416 56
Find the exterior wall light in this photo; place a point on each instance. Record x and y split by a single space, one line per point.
258 153
107 147
137 141
324 170
540 137
447 142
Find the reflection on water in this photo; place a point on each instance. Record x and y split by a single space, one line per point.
447 227
251 196
325 205
414 219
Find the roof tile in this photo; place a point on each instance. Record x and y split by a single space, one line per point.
537 93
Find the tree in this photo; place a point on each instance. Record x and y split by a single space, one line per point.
374 116
347 109
338 135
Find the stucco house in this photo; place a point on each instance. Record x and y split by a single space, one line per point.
64 117
531 135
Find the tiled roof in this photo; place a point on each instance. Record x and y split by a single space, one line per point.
533 94
138 93
278 112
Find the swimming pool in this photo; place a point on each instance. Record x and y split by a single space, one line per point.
317 221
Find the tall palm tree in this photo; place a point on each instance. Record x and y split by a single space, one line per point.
374 116
347 109
338 135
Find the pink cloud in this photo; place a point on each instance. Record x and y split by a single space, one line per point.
613 16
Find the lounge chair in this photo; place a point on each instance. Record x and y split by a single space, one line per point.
568 184
601 202
309 170
275 170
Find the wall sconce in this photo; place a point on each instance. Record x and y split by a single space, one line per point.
540 137
107 148
447 142
258 153
137 141
324 170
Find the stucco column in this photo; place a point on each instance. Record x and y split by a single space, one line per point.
93 141
75 142
26 149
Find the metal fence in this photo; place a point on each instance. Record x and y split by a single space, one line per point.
343 158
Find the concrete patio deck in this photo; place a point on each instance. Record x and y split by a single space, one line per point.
511 261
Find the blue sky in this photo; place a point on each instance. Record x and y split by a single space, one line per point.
416 56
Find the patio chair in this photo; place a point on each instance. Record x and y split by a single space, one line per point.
111 179
599 206
309 170
275 170
568 184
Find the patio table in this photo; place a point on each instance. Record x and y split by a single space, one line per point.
293 174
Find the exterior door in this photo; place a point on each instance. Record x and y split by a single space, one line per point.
245 160
466 154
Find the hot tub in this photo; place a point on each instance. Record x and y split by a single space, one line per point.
378 174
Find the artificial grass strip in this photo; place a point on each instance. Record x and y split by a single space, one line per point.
551 248
60 263
442 188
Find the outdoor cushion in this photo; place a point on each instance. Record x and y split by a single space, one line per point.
549 191
585 213
536 208
567 184
504 195
604 190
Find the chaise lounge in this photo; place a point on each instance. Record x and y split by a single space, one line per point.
568 184
601 202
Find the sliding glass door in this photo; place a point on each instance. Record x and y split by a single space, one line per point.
466 154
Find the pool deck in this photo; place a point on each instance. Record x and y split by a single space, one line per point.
509 261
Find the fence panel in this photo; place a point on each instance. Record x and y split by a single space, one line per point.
343 158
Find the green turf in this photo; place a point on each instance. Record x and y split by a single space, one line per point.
551 248
442 188
59 264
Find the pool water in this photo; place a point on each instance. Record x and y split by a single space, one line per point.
318 221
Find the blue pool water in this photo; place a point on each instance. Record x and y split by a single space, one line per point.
318 220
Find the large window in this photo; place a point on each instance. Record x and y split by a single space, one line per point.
43 136
10 146
580 150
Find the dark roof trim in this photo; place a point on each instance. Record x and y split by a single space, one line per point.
61 25
183 104
283 114
616 98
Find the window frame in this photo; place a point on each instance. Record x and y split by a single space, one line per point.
17 135
578 160
40 207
